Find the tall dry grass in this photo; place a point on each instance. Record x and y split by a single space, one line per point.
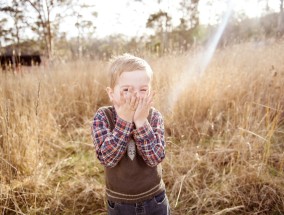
225 133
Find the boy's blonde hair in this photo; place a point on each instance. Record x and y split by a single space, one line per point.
127 63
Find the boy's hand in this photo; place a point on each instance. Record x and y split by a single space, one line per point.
144 104
127 105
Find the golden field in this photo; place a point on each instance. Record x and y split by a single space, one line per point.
224 134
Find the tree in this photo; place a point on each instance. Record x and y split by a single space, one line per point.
85 28
160 22
187 31
16 14
3 31
190 14
48 14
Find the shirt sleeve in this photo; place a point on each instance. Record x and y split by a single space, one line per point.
110 145
150 140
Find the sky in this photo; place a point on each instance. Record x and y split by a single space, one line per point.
129 17
123 16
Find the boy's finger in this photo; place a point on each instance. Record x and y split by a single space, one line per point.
137 102
128 98
130 90
122 97
147 93
149 99
116 104
140 102
144 100
133 101
152 95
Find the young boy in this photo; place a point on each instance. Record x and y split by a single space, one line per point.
129 141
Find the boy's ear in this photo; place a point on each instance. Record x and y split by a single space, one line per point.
110 93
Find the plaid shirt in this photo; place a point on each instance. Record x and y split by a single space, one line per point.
111 145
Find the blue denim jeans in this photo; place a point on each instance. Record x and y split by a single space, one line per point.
159 205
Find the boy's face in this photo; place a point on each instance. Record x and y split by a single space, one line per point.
138 80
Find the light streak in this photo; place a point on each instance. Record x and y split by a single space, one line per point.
202 59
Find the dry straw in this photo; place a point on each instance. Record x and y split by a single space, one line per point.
224 135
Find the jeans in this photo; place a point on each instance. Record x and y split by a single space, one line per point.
159 205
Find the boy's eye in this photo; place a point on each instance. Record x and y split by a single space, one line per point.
144 90
125 90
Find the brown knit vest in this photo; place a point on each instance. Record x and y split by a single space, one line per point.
131 181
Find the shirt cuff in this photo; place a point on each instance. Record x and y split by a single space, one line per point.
123 126
143 131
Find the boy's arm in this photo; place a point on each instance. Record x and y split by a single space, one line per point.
110 145
150 140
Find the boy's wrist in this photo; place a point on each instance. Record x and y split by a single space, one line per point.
127 119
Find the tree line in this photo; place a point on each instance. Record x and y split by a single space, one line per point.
42 18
